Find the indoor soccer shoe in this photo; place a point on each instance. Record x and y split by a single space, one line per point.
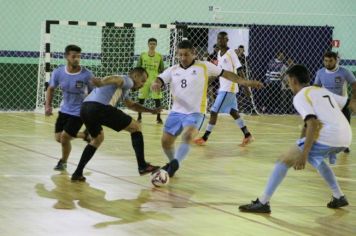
78 178
148 169
199 141
246 141
171 167
338 202
256 207
61 166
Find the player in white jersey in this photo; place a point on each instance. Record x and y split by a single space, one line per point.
226 101
188 82
326 131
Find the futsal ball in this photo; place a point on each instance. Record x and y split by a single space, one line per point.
160 178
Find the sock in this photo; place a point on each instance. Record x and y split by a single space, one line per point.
158 104
208 131
172 167
87 154
329 176
240 122
169 153
140 101
138 146
278 174
182 152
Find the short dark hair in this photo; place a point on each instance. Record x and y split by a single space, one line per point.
72 47
300 72
331 54
241 46
152 40
222 33
139 70
185 44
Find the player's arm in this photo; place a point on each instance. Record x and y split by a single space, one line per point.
53 83
139 62
161 65
237 79
139 108
311 130
49 98
108 80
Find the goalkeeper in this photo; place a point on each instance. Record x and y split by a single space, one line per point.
152 61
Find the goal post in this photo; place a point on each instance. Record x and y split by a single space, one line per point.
107 48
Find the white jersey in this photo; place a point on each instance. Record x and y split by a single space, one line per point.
229 62
335 130
189 86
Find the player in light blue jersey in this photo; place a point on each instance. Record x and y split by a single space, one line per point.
100 108
335 78
74 82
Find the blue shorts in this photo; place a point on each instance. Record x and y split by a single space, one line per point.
224 102
320 151
176 122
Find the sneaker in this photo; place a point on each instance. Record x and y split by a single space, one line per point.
159 121
199 141
87 137
61 166
256 207
171 167
149 168
249 139
347 150
79 178
338 202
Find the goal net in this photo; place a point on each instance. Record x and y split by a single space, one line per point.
107 49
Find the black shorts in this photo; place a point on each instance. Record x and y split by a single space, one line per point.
69 123
95 114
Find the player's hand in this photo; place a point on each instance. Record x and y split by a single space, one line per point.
48 111
255 84
156 110
300 162
156 87
352 105
96 82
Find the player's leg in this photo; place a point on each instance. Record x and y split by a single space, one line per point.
91 114
157 97
143 93
347 113
316 159
286 160
217 107
167 142
59 127
191 124
241 123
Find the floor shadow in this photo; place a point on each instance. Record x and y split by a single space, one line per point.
70 195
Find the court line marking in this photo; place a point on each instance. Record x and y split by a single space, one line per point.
160 190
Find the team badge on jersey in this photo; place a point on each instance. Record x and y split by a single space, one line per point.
194 72
338 80
79 84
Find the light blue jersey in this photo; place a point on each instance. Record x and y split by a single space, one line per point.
334 81
105 94
74 88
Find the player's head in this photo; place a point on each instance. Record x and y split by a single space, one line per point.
222 39
186 53
240 50
330 60
298 77
152 43
72 54
139 76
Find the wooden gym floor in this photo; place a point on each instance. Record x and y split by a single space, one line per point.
202 199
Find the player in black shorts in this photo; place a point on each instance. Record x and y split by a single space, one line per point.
99 108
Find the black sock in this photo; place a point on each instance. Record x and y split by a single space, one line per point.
138 146
206 135
87 154
245 131
158 104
